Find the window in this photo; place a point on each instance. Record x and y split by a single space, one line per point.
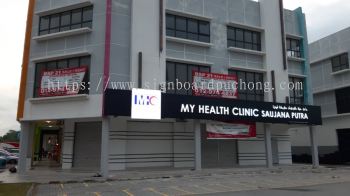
242 38
65 21
293 48
61 64
187 28
342 98
340 62
182 73
250 85
296 90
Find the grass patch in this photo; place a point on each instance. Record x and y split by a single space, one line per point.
14 189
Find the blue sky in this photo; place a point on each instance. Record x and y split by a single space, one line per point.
324 17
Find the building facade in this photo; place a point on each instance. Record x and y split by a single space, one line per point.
330 83
147 43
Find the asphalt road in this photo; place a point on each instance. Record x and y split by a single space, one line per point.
339 189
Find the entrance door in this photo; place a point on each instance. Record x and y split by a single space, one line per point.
87 145
218 153
344 144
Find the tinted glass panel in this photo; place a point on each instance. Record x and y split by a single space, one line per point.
67 20
243 38
183 73
187 28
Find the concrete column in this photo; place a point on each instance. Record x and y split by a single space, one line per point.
314 148
268 146
104 170
198 146
23 147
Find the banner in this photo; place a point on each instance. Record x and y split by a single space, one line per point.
61 82
214 85
221 130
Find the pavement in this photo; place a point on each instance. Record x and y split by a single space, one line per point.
281 180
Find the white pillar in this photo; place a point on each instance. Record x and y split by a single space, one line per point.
268 146
23 147
198 147
314 148
104 166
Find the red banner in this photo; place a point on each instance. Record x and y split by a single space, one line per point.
216 85
224 86
62 82
223 130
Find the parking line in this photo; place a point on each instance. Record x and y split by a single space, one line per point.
85 184
206 189
157 192
127 192
226 187
62 187
109 183
97 193
181 190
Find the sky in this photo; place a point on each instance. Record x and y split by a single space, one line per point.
324 17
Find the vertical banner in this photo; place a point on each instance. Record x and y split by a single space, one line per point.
223 86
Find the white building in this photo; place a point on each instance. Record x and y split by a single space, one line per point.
156 41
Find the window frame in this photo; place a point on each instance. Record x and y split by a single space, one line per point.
293 98
37 80
188 68
186 33
342 97
291 51
242 43
341 66
66 27
258 96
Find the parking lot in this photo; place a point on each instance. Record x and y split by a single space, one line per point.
211 184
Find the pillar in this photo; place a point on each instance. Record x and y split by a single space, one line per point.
268 146
24 147
314 148
198 147
104 166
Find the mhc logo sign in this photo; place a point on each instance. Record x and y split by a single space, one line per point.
146 104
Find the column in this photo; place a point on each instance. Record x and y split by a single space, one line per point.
23 147
314 148
268 146
104 166
198 147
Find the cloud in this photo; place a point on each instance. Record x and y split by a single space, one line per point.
323 17
11 49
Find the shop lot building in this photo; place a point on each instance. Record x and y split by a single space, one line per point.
150 42
329 59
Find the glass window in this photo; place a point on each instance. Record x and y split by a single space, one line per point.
44 23
60 64
342 99
204 28
87 14
67 20
183 73
293 48
180 23
192 26
340 62
187 28
249 85
243 38
296 94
